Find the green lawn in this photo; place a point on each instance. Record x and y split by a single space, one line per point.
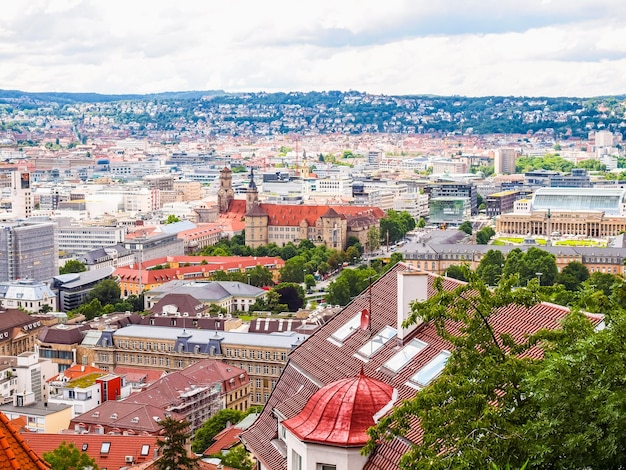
580 243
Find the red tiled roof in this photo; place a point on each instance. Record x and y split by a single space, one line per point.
318 362
224 440
146 376
292 215
15 452
120 448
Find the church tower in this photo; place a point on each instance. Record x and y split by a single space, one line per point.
252 193
225 194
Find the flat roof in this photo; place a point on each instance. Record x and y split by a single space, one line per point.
35 409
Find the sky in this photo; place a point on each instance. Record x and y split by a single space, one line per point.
571 48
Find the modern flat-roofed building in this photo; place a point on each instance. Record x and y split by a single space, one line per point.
501 202
73 288
81 239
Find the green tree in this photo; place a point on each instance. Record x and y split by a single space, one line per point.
172 219
106 291
579 396
212 426
338 292
293 271
421 223
69 457
373 239
90 309
237 457
456 272
466 227
470 414
72 266
309 281
260 276
173 443
484 235
539 263
490 267
291 294
573 275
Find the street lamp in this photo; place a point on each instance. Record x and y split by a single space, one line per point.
248 278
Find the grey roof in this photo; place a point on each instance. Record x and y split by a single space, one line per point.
208 291
557 250
277 340
69 281
25 289
177 227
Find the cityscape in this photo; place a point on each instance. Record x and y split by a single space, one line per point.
269 270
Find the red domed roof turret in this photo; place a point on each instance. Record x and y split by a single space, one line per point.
340 413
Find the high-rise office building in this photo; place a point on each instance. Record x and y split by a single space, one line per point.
28 251
504 161
21 195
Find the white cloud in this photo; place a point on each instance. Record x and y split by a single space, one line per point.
474 47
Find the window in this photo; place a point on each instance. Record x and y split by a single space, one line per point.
145 449
373 345
296 460
404 356
105 447
430 371
325 466
344 332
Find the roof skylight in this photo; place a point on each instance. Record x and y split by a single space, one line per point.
405 355
373 345
430 371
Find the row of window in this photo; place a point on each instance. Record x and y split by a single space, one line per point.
267 355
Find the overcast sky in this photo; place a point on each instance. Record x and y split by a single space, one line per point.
393 47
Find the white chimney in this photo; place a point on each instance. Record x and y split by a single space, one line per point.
412 286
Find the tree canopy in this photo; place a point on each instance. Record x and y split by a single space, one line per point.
72 266
494 406
173 445
69 457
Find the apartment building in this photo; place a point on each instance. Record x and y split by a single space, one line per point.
261 356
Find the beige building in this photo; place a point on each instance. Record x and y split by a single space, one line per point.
262 356
39 417
589 212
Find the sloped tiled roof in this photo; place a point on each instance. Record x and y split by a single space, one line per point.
320 361
292 215
15 452
224 440
120 447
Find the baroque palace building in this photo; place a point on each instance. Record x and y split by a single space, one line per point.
329 225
